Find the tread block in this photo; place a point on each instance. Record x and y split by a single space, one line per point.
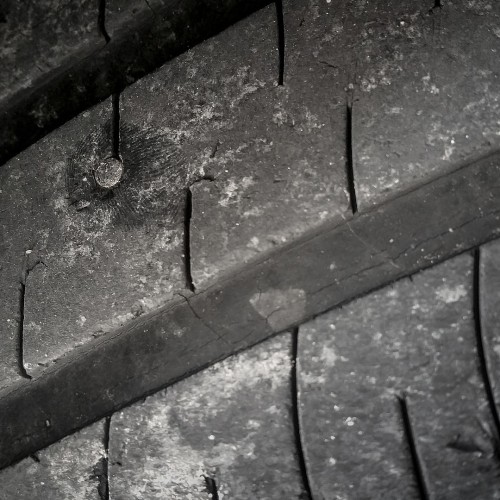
37 224
427 93
108 256
230 425
416 336
290 176
71 469
264 162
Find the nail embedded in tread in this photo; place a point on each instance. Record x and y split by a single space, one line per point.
295 416
418 466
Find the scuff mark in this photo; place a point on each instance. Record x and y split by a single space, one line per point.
280 308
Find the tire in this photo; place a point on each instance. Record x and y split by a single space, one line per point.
257 186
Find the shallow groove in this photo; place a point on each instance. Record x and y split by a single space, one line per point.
351 187
481 350
103 488
20 333
418 465
20 325
296 418
437 5
211 486
101 20
188 213
281 40
115 126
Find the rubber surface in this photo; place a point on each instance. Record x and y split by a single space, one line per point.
331 410
375 159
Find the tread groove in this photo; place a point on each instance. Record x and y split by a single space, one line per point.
281 40
20 330
101 20
481 351
295 416
417 462
103 488
22 300
351 186
115 126
188 213
212 487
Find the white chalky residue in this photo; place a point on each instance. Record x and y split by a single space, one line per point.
254 243
71 252
281 116
253 212
448 152
312 378
233 191
428 86
349 421
244 82
31 326
312 122
480 7
449 295
328 356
